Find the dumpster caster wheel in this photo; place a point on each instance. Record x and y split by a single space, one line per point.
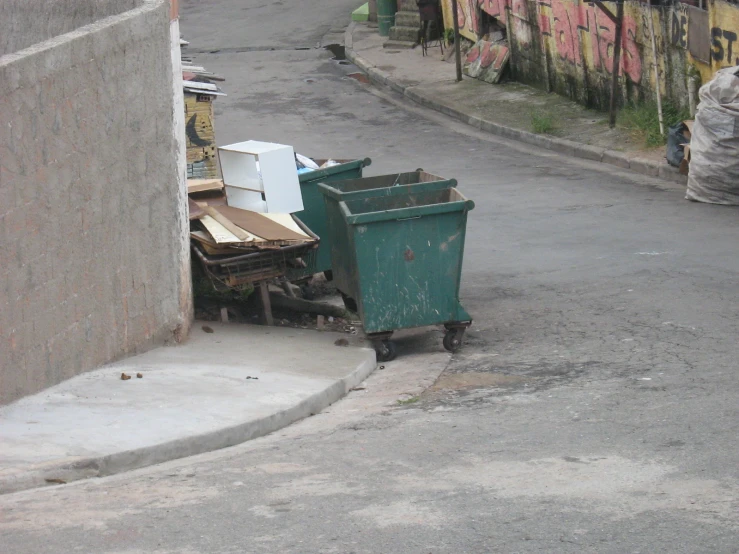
349 303
385 351
453 340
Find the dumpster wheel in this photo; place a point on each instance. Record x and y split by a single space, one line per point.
453 340
385 349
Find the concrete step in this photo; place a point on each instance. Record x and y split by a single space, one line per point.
409 6
399 45
407 19
404 33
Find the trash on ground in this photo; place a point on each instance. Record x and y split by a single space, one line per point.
56 481
678 144
125 377
713 175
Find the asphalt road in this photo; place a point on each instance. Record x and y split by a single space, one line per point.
593 409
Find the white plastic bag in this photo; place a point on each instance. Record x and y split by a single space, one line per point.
714 146
306 161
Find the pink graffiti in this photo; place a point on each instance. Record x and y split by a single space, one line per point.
472 11
495 8
565 32
568 19
461 16
474 54
488 54
467 15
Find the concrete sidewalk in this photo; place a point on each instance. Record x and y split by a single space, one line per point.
217 390
504 109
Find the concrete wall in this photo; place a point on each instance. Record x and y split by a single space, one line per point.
27 22
567 45
94 258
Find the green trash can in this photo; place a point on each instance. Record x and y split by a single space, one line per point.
314 209
361 188
401 260
386 16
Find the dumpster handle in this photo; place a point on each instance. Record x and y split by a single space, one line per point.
407 218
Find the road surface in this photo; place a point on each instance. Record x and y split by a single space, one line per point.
593 409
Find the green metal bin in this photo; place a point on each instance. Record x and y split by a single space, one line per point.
314 210
402 257
366 187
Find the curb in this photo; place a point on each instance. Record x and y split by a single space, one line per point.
102 466
562 146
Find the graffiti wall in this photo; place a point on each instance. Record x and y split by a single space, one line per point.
579 44
467 16
567 46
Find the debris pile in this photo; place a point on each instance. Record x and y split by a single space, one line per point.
200 89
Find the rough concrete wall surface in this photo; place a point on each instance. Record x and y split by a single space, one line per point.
90 217
568 45
26 22
178 132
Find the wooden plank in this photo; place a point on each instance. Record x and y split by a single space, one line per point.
201 185
219 233
286 220
195 211
211 247
200 85
210 198
243 235
259 225
266 304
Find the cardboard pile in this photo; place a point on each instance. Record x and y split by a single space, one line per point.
219 229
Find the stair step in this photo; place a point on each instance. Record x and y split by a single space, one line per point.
404 33
399 45
408 6
406 19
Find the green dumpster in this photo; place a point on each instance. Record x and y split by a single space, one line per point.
314 210
402 259
314 214
337 191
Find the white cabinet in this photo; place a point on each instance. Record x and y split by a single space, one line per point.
261 177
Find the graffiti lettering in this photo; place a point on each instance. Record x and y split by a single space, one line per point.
571 23
679 30
718 48
730 36
719 53
565 32
467 17
495 8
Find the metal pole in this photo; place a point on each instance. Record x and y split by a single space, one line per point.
457 54
656 71
616 63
